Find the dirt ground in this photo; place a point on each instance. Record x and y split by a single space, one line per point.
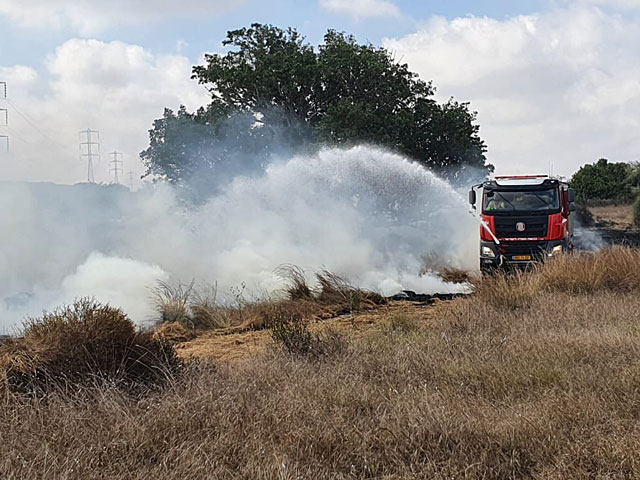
619 217
222 345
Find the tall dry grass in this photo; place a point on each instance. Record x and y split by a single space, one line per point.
547 390
614 269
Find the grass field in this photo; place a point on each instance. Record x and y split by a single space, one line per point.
534 376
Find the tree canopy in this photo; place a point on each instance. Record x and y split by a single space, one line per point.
603 180
276 90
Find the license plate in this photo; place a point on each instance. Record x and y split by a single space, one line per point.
522 257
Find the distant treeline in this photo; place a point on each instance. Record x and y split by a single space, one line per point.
615 182
604 180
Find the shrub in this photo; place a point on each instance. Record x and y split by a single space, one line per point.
399 324
297 287
602 180
291 331
636 212
82 345
172 302
206 312
335 290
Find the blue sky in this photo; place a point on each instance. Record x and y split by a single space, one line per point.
205 34
553 81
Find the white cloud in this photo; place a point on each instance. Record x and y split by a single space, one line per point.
561 86
90 16
362 8
626 4
116 88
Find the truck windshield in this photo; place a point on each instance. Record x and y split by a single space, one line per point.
508 201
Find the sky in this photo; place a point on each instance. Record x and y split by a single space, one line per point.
556 83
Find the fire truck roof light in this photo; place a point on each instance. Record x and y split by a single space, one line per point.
514 177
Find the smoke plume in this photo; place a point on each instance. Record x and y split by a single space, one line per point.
363 213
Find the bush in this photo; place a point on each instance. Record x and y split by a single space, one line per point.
85 344
332 291
172 303
636 212
602 181
399 324
291 331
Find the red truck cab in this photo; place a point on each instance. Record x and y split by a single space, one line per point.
524 219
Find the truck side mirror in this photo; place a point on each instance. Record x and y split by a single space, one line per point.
572 207
472 197
571 195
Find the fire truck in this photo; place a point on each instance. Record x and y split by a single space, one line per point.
524 219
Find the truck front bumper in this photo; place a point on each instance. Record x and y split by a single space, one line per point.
518 254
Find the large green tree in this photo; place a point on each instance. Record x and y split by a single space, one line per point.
341 93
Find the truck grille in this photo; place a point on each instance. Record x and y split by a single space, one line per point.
536 226
535 249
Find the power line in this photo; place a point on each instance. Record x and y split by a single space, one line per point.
32 122
131 175
90 152
117 166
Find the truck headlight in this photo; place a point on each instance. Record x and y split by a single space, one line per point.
487 252
555 250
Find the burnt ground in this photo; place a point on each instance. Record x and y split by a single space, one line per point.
604 225
620 237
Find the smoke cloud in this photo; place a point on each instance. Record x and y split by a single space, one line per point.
363 213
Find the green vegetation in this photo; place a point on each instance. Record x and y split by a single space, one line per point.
636 212
272 91
606 181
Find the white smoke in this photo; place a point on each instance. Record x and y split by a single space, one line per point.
363 213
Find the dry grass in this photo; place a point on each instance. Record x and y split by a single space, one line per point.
547 390
333 291
435 264
615 269
84 345
199 309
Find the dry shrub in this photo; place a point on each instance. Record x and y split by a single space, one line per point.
205 311
290 330
332 291
297 287
432 263
336 290
399 324
454 275
82 345
194 308
172 302
173 333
